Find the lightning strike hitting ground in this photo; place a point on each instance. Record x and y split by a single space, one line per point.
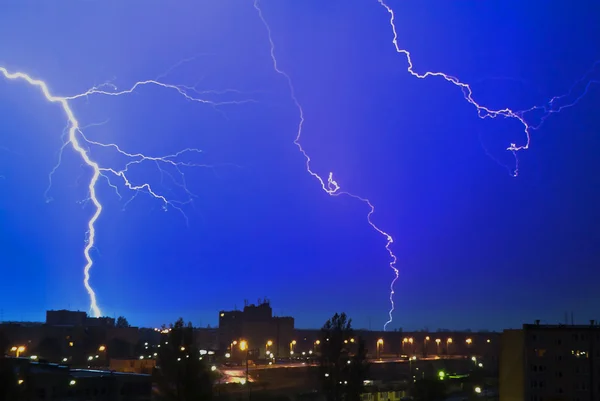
331 187
554 105
75 138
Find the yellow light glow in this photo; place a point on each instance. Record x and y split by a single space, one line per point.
427 338
243 345
102 348
294 342
469 341
269 343
380 341
449 341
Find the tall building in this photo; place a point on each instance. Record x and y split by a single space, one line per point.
550 363
65 318
256 325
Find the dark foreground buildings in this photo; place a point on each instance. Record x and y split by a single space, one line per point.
37 381
262 333
550 363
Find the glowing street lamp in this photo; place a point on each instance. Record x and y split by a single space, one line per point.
292 347
244 347
379 347
269 343
317 342
425 347
448 342
18 350
102 348
437 342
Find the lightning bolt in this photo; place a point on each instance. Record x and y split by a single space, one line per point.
554 105
330 186
74 137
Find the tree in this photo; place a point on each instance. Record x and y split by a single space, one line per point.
429 390
122 323
9 389
342 372
49 348
119 348
181 374
4 344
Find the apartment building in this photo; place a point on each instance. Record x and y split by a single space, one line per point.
550 363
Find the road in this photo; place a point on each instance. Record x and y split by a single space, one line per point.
304 364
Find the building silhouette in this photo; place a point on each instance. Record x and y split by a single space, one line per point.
550 362
262 332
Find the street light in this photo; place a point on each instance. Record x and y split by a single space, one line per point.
448 342
102 348
437 342
244 347
269 343
18 350
292 347
379 347
317 342
425 347
233 343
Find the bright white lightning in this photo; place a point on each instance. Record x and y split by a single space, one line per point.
75 138
331 187
554 105
551 107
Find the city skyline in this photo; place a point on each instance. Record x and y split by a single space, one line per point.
476 247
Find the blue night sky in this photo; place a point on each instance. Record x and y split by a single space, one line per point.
476 247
